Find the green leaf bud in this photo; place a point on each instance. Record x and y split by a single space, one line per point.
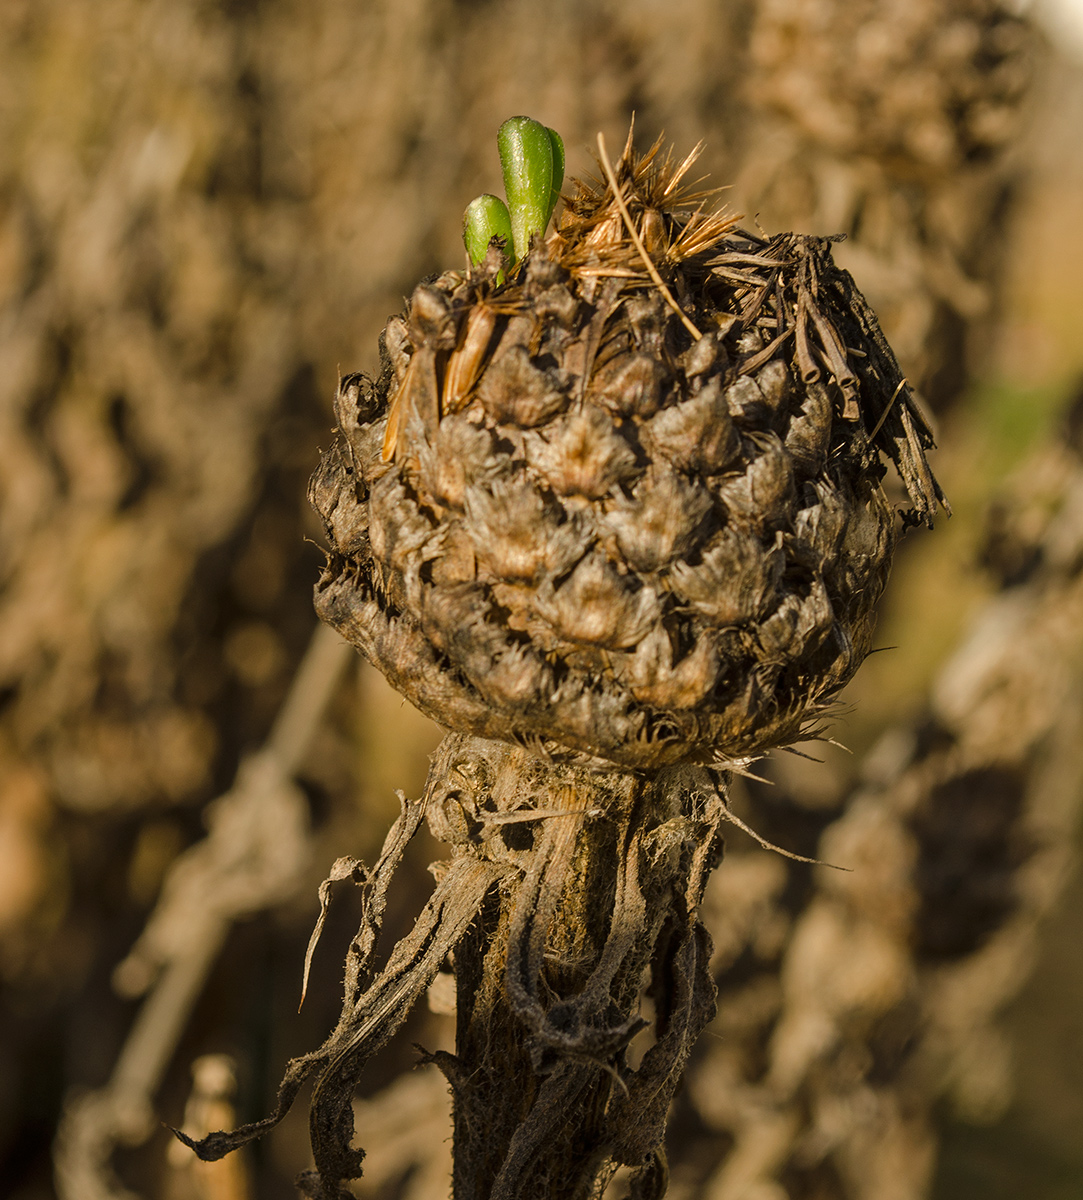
485 218
526 154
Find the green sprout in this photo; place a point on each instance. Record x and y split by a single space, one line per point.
532 157
486 218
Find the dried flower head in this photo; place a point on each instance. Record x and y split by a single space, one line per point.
626 505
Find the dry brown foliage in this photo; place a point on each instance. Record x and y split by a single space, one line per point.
203 209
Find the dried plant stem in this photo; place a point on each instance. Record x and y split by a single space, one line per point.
251 858
596 907
569 912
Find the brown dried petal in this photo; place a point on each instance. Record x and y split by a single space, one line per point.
517 534
348 525
515 678
585 709
460 454
820 526
809 435
762 496
454 619
595 604
776 383
327 482
798 623
367 442
696 435
647 316
543 272
332 493
559 303
866 544
398 531
415 407
519 331
735 579
516 392
747 403
357 407
505 670
456 561
396 341
582 454
357 402
653 678
629 385
430 321
702 355
659 523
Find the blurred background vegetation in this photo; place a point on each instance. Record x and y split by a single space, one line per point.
208 208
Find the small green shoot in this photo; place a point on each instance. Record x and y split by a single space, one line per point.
532 157
485 218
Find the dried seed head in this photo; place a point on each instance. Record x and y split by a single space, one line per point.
561 519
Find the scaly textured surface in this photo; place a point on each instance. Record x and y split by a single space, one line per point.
570 515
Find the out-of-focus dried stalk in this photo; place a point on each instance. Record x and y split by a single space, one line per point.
407 1125
256 846
893 122
210 1105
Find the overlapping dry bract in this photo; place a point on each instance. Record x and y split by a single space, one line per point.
560 518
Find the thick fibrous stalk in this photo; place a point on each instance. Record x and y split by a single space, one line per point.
569 892
602 877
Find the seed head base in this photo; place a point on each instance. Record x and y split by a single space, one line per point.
560 519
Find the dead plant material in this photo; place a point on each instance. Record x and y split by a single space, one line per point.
568 892
560 518
610 551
